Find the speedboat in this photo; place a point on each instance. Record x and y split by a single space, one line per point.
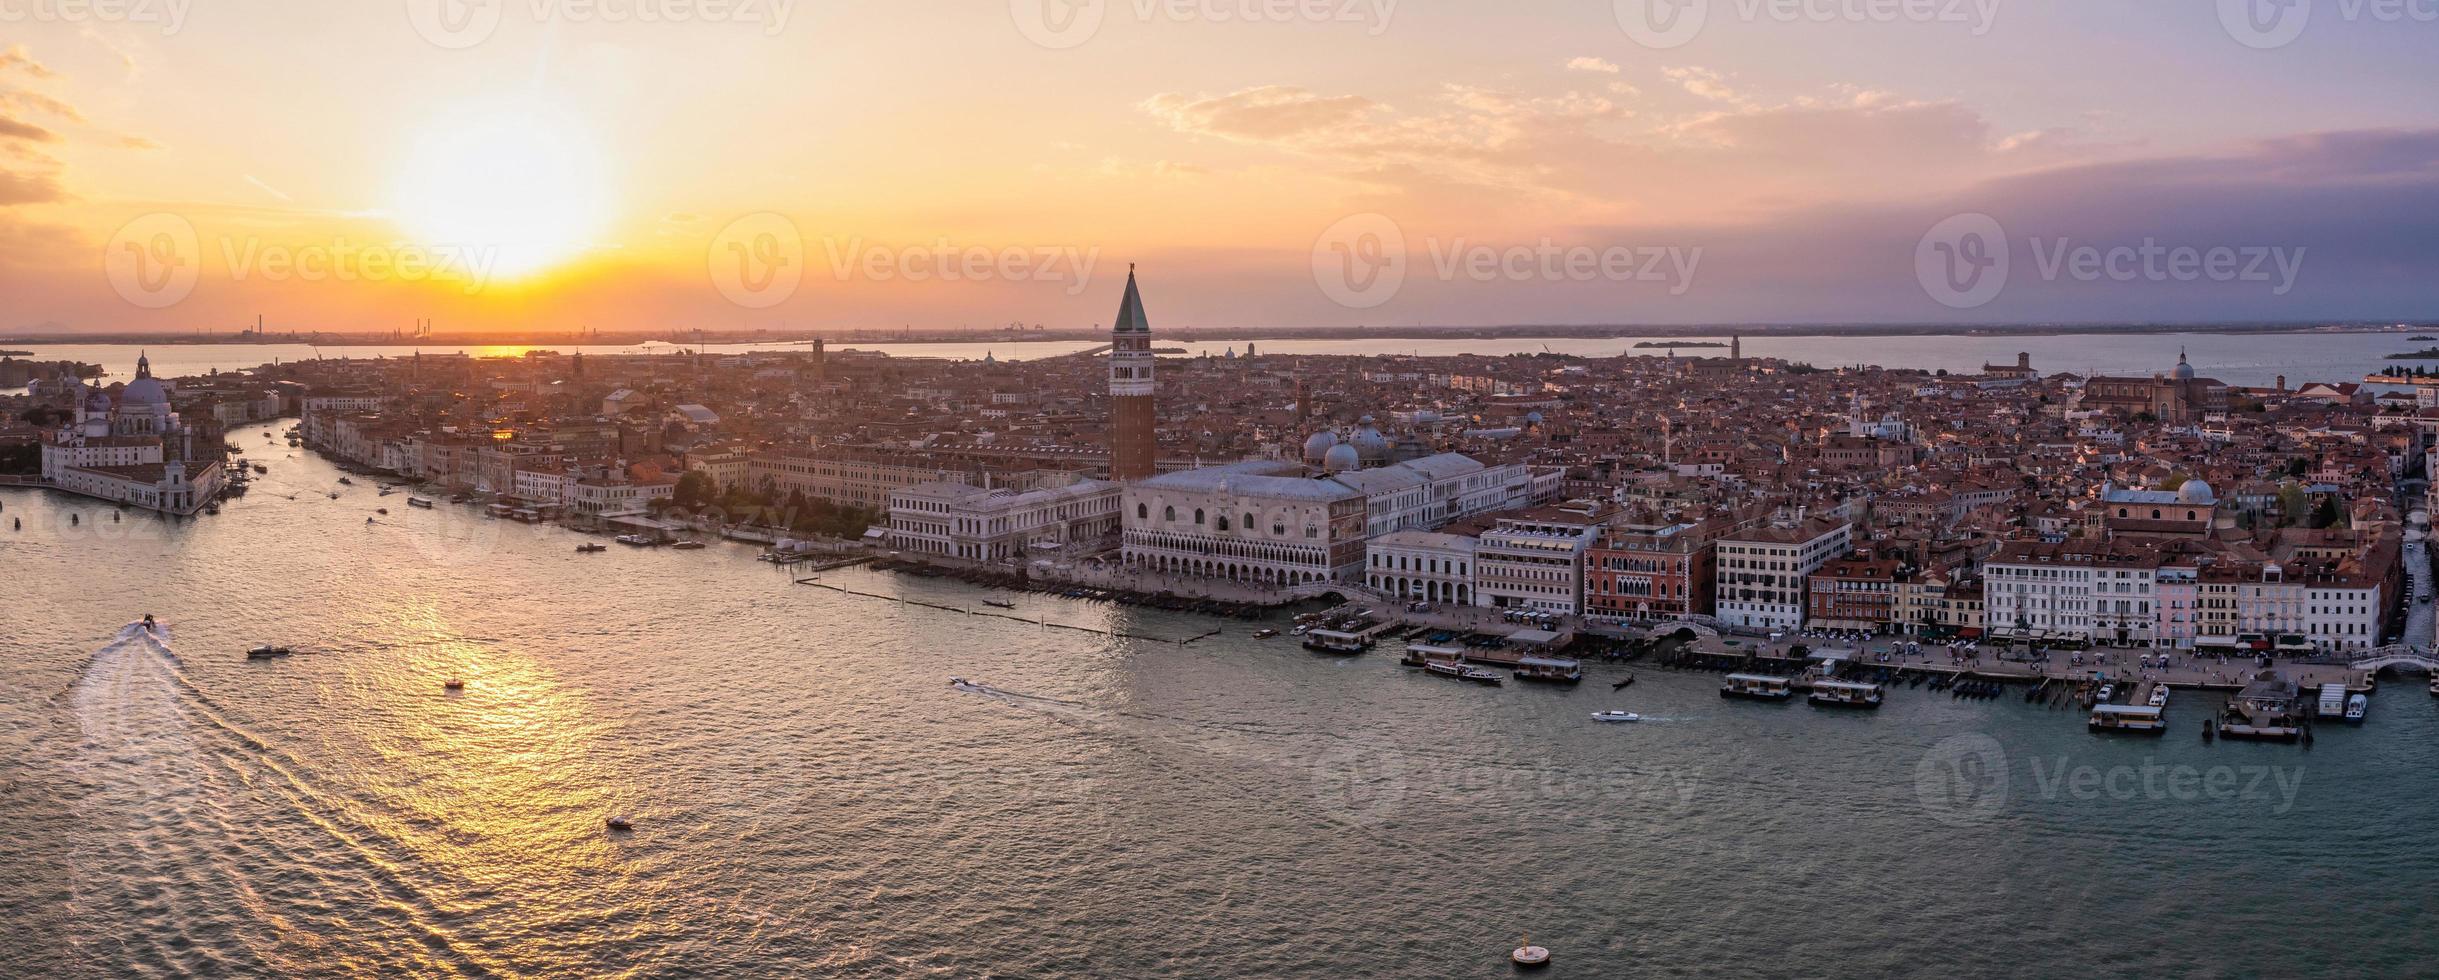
381 510
1480 676
148 622
998 605
2356 706
619 823
346 482
1264 634
687 546
266 652
591 548
1616 716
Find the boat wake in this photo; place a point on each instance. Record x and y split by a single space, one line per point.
191 859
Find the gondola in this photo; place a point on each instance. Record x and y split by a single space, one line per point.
1621 684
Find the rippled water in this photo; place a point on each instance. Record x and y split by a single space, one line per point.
811 797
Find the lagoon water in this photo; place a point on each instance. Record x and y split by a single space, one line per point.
811 798
2242 359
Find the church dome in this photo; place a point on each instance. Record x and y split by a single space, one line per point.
2184 371
1370 444
2195 492
1341 458
1319 443
143 393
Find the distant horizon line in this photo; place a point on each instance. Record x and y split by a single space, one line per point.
952 335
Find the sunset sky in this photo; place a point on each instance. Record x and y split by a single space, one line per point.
590 163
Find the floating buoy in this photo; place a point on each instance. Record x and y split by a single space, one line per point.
1530 956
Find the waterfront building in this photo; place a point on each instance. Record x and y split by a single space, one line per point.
960 520
1132 389
135 450
1535 559
1857 592
1650 571
2086 589
1423 565
1255 521
1764 571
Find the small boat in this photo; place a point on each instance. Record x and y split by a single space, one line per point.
148 622
343 481
1529 956
591 548
995 604
386 491
1264 634
419 502
1621 685
266 652
334 495
1480 676
687 546
1616 716
381 510
2356 706
619 823
453 684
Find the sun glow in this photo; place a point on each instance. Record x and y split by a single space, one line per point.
512 193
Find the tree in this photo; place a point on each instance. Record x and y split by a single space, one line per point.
694 489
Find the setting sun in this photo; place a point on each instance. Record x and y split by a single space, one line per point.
515 192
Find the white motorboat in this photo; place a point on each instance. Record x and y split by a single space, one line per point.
1616 716
2356 706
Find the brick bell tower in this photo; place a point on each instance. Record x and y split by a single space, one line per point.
1131 387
